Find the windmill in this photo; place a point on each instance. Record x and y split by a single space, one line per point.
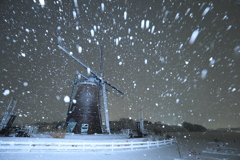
85 110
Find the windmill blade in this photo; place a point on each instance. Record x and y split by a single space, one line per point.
86 67
113 87
81 75
113 92
80 62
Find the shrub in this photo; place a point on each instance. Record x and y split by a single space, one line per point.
193 127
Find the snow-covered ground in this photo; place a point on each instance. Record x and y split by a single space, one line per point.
209 145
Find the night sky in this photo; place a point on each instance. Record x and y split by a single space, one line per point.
177 60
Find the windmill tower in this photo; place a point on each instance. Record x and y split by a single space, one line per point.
84 110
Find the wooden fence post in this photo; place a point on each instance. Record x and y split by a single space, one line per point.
12 143
112 146
59 146
30 144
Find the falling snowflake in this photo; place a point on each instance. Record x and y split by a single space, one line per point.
66 99
6 92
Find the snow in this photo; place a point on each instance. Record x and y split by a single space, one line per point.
229 27
205 11
177 16
95 28
79 76
134 85
143 24
237 51
177 100
212 62
209 145
58 97
92 32
125 15
187 11
204 73
145 61
210 120
147 23
153 28
74 14
75 3
66 99
137 154
27 30
23 54
59 38
79 48
42 3
225 17
25 84
117 41
102 6
6 92
88 70
74 101
194 36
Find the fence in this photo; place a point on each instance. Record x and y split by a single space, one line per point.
79 146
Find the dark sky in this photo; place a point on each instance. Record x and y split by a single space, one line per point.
179 60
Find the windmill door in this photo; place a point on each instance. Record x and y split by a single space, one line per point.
84 129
